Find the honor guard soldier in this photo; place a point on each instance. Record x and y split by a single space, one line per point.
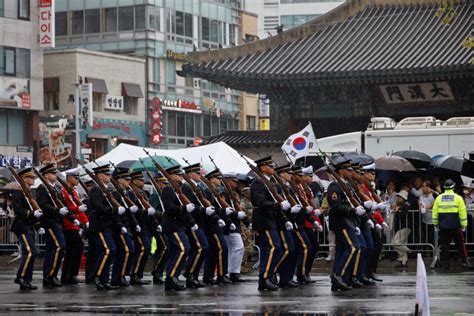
265 216
22 226
175 221
197 239
450 217
73 233
341 222
124 245
147 223
53 223
103 221
91 247
217 260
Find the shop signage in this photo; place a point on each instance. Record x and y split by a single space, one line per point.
264 124
15 92
417 92
175 56
263 106
101 125
208 103
156 124
113 102
181 105
46 21
86 104
16 161
55 143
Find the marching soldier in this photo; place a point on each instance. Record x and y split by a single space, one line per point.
91 247
147 223
72 233
103 220
22 226
175 221
53 223
125 248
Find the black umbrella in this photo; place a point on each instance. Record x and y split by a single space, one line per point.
459 165
126 164
361 158
417 158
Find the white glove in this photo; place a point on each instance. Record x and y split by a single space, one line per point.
63 211
80 232
220 223
377 226
318 226
295 209
423 210
241 215
317 212
138 228
369 204
381 206
159 228
289 226
210 210
463 229
357 231
232 227
37 213
123 230
121 210
370 223
190 207
41 231
285 205
436 228
195 227
82 208
134 209
151 211
76 222
309 209
360 210
384 225
87 225
250 226
229 210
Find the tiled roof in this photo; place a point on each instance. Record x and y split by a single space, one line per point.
248 138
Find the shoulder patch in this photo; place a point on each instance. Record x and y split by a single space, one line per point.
447 198
334 196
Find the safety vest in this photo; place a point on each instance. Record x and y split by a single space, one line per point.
449 211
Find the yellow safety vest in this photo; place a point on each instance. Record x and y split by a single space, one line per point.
449 211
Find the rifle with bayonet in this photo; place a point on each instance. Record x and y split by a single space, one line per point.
109 197
121 190
69 191
26 190
197 192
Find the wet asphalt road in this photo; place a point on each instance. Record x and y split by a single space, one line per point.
449 294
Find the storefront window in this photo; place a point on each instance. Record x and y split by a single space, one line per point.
189 125
77 22
98 146
180 124
111 20
215 126
139 17
9 58
197 126
92 21
130 105
251 120
126 18
171 123
61 23
206 125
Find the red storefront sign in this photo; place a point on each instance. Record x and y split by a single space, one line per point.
156 123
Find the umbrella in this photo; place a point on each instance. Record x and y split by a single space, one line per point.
322 173
361 158
417 158
393 163
126 164
161 160
12 186
459 165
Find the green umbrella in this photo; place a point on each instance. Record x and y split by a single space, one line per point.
165 162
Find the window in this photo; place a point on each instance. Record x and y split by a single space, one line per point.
97 102
23 9
51 101
10 121
197 126
111 20
154 18
61 23
189 125
23 63
170 22
171 123
207 125
130 105
215 126
171 72
188 25
2 10
214 31
205 29
126 18
180 23
180 124
251 122
139 17
77 22
9 61
92 21
10 9
98 146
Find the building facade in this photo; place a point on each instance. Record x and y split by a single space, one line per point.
118 102
286 13
162 32
21 80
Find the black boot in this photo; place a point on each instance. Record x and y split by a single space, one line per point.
446 264
23 284
353 282
98 284
374 277
157 278
209 281
56 282
31 287
301 279
366 281
48 282
338 283
466 264
308 279
191 282
266 284
173 284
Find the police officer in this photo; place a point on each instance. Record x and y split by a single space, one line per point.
175 221
22 226
450 217
53 223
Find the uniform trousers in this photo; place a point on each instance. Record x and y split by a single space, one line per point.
365 238
28 255
54 252
313 242
445 236
91 256
199 250
178 252
373 260
73 254
105 253
270 252
217 260
347 246
236 248
125 249
286 265
142 251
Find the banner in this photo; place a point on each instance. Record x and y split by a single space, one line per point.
301 144
86 105
422 297
46 22
54 146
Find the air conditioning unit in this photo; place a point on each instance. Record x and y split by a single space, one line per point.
113 103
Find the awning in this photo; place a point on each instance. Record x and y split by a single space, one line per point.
51 85
98 85
131 90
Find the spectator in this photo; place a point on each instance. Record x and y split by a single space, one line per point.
436 184
425 204
417 187
402 231
389 197
468 195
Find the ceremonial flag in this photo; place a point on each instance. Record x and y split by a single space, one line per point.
422 297
301 144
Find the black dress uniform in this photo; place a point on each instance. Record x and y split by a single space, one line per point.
22 227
